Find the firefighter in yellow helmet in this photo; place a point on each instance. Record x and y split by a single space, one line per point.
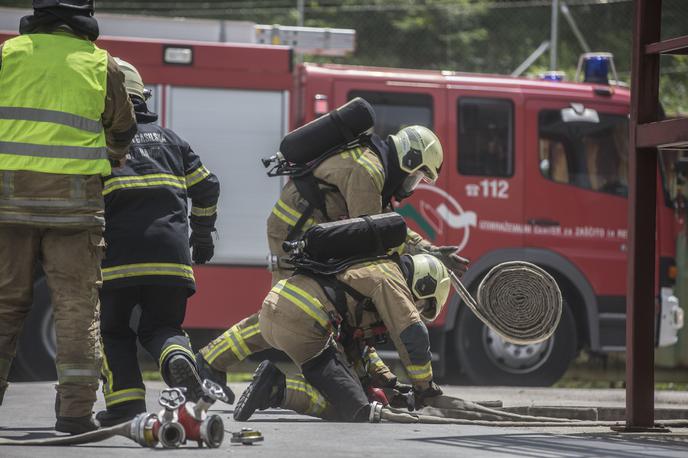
64 117
354 182
148 260
326 326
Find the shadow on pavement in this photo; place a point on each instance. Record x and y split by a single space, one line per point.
570 445
27 428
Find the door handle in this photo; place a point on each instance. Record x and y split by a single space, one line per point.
543 222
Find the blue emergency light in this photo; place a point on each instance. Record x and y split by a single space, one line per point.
553 75
595 68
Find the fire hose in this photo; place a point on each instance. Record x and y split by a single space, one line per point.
518 300
455 411
177 423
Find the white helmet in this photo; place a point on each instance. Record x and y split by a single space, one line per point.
430 285
420 155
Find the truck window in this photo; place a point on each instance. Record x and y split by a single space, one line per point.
590 153
395 110
486 137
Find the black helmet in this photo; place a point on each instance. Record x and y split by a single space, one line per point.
84 5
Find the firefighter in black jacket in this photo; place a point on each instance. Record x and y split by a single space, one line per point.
148 261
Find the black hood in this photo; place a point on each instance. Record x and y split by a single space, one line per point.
394 176
48 19
143 116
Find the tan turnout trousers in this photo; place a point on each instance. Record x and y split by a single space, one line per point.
71 261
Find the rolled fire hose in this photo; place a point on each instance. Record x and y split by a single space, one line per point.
517 300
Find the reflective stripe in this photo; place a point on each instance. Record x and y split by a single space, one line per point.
138 270
106 372
51 203
204 211
141 181
309 304
130 394
317 404
234 341
15 217
5 365
388 271
76 373
376 174
57 117
171 348
419 372
7 183
196 176
375 359
290 215
53 151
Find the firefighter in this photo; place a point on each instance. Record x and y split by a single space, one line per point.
355 182
64 116
148 261
323 325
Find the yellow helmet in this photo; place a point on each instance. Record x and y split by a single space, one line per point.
132 79
420 154
430 285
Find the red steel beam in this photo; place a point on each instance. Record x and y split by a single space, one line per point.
677 45
670 132
640 308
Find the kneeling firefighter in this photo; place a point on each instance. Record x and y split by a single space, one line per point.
326 322
148 261
360 176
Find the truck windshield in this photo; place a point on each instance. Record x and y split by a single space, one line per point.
674 168
589 151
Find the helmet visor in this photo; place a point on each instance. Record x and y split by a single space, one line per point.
427 309
412 181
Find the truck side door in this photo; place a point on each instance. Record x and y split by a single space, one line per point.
484 201
576 187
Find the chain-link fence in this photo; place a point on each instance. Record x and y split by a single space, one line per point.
490 36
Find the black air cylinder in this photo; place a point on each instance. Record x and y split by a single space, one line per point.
338 127
355 237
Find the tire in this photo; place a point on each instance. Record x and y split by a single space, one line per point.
35 360
487 360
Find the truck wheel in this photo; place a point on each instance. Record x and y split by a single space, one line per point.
35 360
487 359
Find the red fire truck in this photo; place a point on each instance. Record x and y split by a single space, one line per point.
534 170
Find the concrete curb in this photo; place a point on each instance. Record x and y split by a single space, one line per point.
594 413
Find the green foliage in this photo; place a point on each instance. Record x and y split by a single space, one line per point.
488 36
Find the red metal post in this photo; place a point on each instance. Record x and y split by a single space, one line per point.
640 308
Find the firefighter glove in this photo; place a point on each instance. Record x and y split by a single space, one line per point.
420 395
202 247
452 261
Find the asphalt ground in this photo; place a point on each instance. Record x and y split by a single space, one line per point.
28 413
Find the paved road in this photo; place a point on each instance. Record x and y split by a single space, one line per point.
28 413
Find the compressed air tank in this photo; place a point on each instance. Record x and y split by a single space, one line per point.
337 128
366 236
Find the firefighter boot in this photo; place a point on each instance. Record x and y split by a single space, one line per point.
180 371
120 413
265 391
206 371
76 425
